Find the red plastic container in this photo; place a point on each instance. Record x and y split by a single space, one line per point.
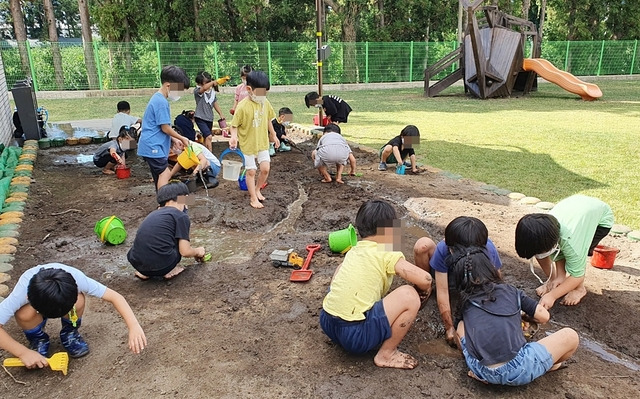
123 172
325 121
604 257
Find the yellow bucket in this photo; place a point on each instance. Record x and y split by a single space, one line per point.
188 159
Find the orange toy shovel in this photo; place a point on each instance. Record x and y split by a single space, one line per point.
304 274
58 362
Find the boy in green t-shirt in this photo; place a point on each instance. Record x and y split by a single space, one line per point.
359 313
251 121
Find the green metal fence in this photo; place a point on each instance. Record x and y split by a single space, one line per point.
138 65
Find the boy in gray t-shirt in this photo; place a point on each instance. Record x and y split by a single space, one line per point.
332 149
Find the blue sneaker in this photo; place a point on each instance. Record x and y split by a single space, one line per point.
38 339
382 166
72 340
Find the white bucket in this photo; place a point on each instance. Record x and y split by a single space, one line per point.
231 169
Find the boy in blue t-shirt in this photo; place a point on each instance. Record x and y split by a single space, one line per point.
465 231
157 134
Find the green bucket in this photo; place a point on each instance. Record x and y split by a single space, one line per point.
342 240
110 230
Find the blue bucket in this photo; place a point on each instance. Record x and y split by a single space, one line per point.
242 180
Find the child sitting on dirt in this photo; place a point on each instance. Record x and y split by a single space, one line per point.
209 165
54 291
332 149
401 147
566 236
463 231
123 118
249 128
280 125
490 330
163 236
183 124
112 152
357 313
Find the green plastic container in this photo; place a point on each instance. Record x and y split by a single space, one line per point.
342 240
110 230
44 143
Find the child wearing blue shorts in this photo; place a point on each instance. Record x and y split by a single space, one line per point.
359 313
490 331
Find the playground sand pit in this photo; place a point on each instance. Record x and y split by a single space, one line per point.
237 327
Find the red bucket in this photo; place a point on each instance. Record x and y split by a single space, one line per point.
325 121
123 172
604 257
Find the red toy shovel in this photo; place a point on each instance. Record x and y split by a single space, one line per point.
304 274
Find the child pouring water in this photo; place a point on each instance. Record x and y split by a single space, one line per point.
490 330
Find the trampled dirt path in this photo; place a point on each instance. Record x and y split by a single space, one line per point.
237 327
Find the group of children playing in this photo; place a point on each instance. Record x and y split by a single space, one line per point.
361 313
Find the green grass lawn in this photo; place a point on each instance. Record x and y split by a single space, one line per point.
550 144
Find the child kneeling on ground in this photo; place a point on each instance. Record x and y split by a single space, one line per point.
401 147
332 149
490 330
209 165
163 236
53 291
357 313
112 152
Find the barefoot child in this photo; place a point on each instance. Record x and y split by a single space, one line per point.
463 230
54 291
163 237
112 152
490 331
566 236
332 149
359 313
401 147
249 128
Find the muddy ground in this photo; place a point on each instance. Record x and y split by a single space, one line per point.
237 327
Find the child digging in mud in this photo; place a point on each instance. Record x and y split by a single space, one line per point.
359 313
53 291
490 330
163 237
332 148
566 236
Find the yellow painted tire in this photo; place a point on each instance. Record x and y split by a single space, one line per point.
11 215
18 194
8 241
7 249
21 180
15 199
13 220
24 167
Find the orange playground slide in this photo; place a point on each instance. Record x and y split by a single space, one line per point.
588 91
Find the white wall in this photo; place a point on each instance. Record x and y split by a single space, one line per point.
6 123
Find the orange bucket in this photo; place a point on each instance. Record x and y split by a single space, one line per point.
604 257
123 172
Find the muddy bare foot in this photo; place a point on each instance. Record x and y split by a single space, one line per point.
573 297
260 196
141 276
475 377
543 289
397 360
176 270
326 181
257 204
108 171
558 366
340 181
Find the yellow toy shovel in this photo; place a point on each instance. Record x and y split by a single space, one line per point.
58 362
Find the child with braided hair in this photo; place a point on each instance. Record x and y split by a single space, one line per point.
490 331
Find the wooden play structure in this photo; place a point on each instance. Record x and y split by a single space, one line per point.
491 59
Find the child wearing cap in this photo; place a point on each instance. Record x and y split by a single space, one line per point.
163 237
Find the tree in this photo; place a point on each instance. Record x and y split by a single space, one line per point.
20 33
87 44
55 47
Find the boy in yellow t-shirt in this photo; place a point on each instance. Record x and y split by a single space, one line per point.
251 121
357 313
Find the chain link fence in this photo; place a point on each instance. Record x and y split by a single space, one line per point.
138 65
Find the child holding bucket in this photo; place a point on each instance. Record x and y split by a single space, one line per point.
490 332
249 127
205 162
465 231
51 291
332 149
566 236
359 313
112 152
163 236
